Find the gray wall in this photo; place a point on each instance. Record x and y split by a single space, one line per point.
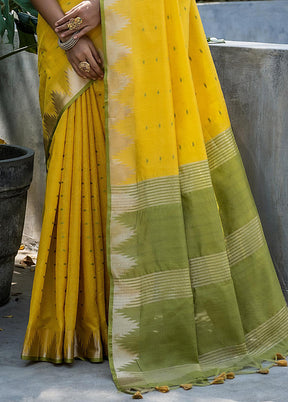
20 124
252 21
255 85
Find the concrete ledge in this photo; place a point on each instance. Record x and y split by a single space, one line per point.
253 21
255 86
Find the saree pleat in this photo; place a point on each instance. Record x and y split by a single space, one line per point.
156 190
68 316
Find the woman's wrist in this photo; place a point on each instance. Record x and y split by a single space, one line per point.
63 40
69 43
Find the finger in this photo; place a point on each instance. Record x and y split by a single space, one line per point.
92 74
88 74
97 57
63 27
96 68
77 70
69 32
67 17
84 29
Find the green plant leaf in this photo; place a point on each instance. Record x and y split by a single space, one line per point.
9 22
10 28
2 24
26 38
6 9
26 6
26 23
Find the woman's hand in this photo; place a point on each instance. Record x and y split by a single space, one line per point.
85 51
88 11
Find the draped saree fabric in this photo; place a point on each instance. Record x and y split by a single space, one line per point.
68 314
193 290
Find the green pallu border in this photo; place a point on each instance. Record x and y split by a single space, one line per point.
72 100
243 364
108 228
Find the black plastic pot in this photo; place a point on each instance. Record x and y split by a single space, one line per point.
16 171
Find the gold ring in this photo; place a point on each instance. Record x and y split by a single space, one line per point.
84 66
74 23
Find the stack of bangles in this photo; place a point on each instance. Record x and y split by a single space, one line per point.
71 42
73 23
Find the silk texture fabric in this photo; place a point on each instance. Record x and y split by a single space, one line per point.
145 179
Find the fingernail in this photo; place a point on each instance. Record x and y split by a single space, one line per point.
75 37
56 29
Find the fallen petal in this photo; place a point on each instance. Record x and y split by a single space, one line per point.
163 389
186 386
137 395
263 371
279 356
282 363
218 380
8 316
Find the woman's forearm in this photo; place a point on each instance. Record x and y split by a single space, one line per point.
50 10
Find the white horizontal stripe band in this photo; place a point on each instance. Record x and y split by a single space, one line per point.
269 333
151 288
145 194
195 176
162 190
221 149
209 269
221 355
245 241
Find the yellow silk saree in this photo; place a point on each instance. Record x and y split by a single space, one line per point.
161 199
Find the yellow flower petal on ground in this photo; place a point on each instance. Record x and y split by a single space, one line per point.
279 356
137 395
186 386
218 380
163 389
263 371
281 363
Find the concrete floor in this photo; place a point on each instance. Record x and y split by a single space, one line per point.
22 381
